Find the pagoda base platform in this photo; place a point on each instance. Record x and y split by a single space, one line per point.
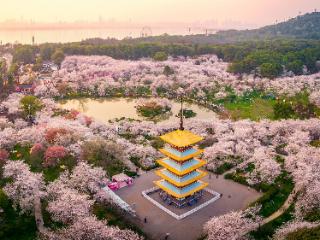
180 209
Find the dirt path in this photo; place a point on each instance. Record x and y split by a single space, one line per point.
38 212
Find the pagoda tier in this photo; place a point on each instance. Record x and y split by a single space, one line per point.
181 174
181 138
181 181
180 156
181 168
181 192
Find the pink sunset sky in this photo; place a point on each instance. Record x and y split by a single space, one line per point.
247 13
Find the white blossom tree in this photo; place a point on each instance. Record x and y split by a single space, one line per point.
24 185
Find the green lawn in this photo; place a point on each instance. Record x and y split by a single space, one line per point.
255 110
115 217
275 194
305 234
313 215
267 230
35 163
14 226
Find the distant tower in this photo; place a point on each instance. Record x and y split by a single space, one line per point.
146 32
33 41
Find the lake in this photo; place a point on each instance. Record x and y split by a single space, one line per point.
105 109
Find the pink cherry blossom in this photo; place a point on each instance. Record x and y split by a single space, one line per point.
24 186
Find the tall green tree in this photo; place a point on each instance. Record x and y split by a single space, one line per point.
25 54
160 56
14 69
38 65
46 51
295 66
58 57
10 80
270 70
30 105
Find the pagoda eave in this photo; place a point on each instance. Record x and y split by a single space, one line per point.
181 138
178 158
181 193
165 162
162 173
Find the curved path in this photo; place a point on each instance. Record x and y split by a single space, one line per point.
283 208
38 212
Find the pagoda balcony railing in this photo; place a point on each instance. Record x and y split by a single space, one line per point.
181 156
181 192
183 180
181 169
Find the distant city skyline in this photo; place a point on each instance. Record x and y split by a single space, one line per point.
200 13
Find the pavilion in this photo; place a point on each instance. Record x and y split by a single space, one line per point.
181 183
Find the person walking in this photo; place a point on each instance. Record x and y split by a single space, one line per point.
167 236
145 220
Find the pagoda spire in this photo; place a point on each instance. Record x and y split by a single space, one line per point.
181 115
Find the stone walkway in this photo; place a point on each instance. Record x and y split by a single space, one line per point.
234 197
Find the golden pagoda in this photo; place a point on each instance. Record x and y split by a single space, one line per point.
181 172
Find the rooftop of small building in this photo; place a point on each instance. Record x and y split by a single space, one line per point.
181 138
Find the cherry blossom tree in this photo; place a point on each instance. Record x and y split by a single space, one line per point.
4 155
24 185
53 154
232 225
103 76
91 228
315 97
266 168
293 226
52 134
36 149
12 103
86 178
68 205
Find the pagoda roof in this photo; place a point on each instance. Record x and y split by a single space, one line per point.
181 192
181 169
181 138
181 181
180 156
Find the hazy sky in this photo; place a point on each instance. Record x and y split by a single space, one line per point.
250 12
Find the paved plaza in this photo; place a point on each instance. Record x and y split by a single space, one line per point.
205 198
234 197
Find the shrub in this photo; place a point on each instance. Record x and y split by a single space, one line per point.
160 56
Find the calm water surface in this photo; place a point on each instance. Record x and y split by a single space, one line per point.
105 109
